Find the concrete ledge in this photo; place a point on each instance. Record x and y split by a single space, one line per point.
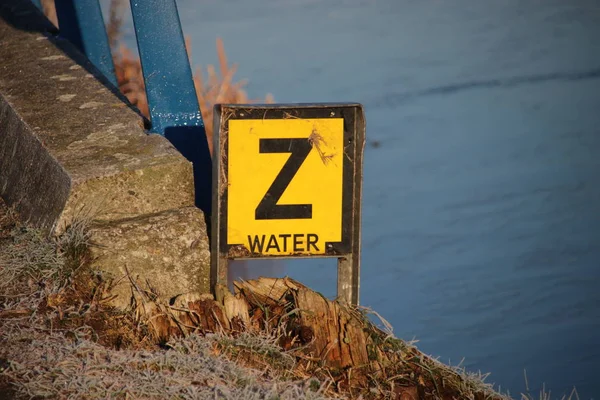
66 136
30 178
69 143
136 247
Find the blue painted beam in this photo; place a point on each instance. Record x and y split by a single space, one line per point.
170 88
37 3
172 101
81 23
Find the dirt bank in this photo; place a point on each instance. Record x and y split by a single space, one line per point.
273 338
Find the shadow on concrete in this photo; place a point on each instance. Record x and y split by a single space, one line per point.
25 16
192 144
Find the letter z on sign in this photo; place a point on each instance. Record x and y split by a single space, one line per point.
285 185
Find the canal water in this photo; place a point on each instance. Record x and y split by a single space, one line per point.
481 212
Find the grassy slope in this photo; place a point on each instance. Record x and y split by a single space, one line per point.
60 339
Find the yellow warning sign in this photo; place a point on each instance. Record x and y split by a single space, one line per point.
285 181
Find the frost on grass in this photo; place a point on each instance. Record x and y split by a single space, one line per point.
54 366
51 347
59 339
34 265
27 263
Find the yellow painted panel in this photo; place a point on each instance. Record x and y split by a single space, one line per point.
313 181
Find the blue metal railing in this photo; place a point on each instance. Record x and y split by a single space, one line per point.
169 85
172 100
81 23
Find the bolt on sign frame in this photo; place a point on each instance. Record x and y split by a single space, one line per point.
287 182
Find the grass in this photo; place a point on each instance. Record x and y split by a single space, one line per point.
190 370
547 395
544 394
61 340
33 265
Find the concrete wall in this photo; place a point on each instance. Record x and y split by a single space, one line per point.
71 145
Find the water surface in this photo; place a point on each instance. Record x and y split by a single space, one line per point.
481 232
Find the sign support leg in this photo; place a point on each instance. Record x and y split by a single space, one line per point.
332 183
348 283
218 276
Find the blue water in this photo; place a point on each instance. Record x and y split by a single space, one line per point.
481 232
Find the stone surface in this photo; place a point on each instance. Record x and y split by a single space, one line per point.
30 178
70 144
137 247
68 138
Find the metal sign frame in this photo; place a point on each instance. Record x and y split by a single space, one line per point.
347 251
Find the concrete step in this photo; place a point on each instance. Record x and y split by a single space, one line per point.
168 252
72 147
67 139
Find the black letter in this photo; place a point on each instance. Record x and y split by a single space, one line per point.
285 237
268 207
312 239
297 243
256 243
273 243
